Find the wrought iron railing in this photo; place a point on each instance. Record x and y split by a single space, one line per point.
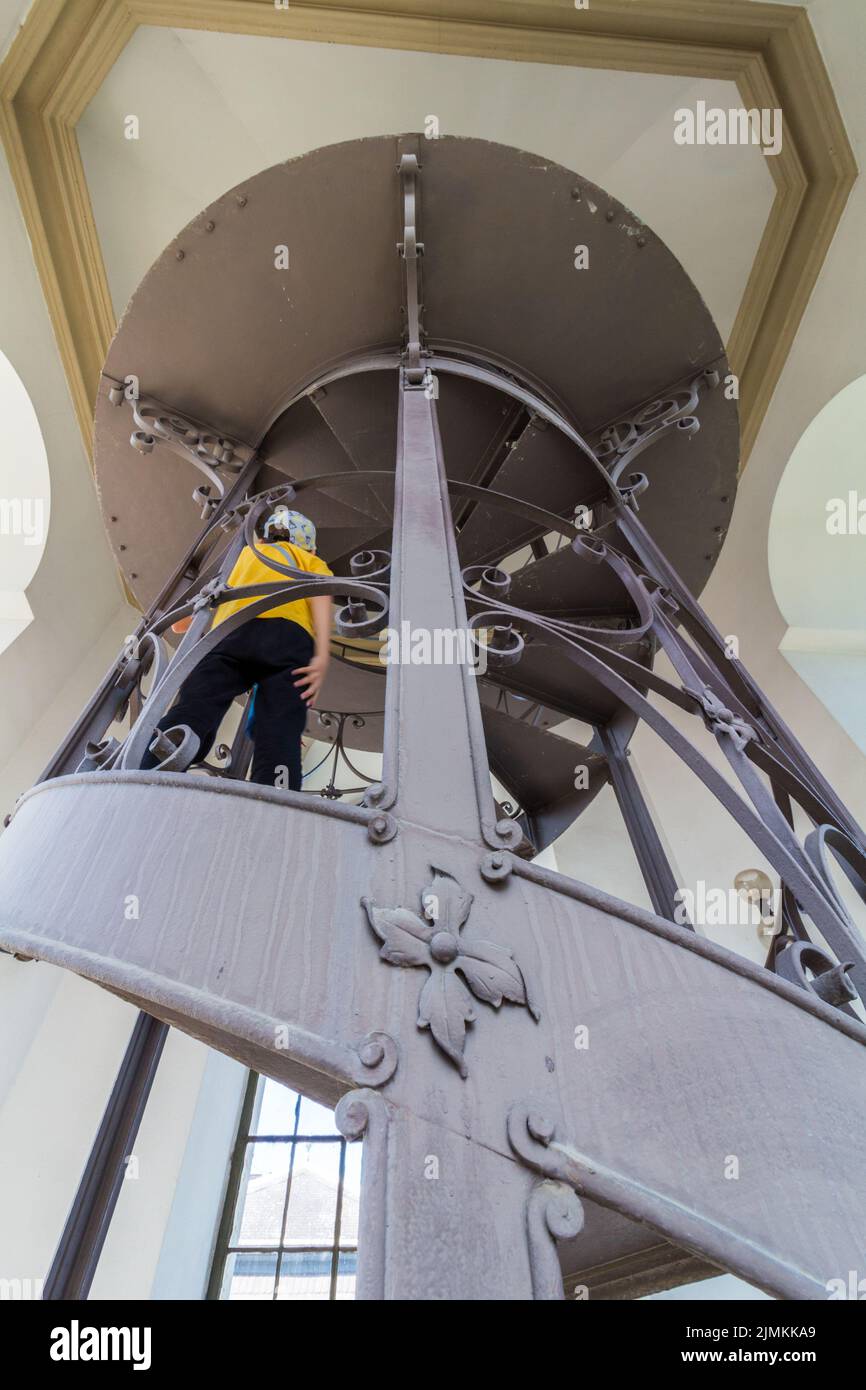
771 769
145 655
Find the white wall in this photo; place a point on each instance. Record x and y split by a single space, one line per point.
62 1040
828 353
75 593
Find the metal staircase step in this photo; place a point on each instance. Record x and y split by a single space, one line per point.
539 769
542 468
546 674
567 586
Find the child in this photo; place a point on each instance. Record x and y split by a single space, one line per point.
269 652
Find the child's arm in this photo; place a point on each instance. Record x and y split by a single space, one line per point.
312 676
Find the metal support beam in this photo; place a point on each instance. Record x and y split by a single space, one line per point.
657 874
74 1264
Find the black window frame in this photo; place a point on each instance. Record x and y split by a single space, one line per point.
244 1139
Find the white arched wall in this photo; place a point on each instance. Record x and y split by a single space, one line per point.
25 499
817 558
61 1040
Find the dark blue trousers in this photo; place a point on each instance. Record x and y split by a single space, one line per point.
264 652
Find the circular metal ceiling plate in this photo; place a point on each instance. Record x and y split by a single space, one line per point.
222 331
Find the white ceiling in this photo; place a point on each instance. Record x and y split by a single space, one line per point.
215 108
12 15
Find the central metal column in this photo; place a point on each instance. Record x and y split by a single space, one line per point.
443 1213
442 776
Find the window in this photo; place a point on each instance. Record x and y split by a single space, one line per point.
290 1227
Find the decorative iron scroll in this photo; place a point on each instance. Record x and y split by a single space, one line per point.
219 457
338 756
411 250
620 443
554 1212
772 772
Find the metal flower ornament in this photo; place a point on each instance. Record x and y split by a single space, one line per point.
432 939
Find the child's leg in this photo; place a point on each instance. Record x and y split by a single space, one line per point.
205 696
281 713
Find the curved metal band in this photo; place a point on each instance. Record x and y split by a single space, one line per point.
473 372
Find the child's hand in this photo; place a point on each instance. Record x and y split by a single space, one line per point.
311 680
182 624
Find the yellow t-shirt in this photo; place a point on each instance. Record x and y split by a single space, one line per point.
249 569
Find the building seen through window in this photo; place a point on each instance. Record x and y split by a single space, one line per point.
290 1226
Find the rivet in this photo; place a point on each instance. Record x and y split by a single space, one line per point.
575 193
541 1128
724 499
610 214
241 200
641 241
379 824
123 547
371 1054
133 576
495 867
179 255
114 518
708 557
209 226
718 530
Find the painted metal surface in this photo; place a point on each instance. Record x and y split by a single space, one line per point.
693 1053
552 327
401 956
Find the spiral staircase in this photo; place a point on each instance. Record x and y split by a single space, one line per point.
394 334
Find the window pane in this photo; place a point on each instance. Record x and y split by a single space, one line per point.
284 1241
274 1111
346 1271
249 1275
313 1196
262 1196
305 1275
351 1195
316 1119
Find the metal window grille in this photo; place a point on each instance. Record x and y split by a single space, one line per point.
290 1224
